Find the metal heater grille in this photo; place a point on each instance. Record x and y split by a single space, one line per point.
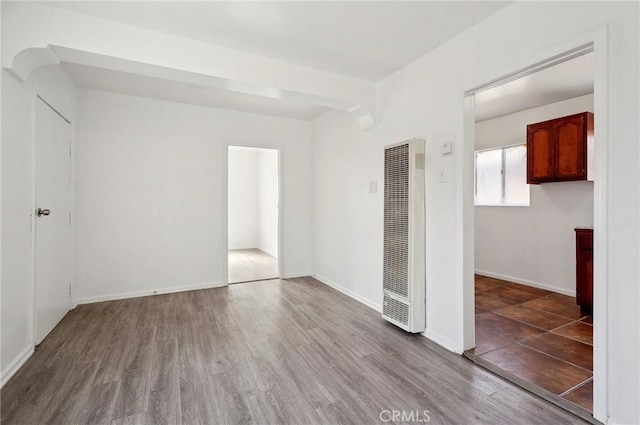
396 220
396 310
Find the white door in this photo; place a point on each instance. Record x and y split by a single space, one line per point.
53 231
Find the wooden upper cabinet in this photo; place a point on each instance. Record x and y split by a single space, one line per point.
540 152
558 150
571 158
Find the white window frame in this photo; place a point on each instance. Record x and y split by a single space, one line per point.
503 202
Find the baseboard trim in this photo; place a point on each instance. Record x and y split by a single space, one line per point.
145 293
268 251
243 246
348 292
527 282
447 343
15 365
295 275
441 340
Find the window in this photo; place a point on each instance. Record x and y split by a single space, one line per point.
501 176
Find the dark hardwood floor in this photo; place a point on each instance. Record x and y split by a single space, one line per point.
280 351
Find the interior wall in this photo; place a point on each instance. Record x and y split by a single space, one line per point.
17 187
18 120
268 201
152 174
243 198
533 245
426 99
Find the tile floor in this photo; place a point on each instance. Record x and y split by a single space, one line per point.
538 336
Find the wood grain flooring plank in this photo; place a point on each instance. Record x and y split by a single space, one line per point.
531 409
164 385
194 406
116 356
138 419
280 351
67 398
97 406
133 394
264 408
228 404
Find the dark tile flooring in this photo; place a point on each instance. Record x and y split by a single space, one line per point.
539 336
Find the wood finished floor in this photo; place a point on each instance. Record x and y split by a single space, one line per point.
247 265
279 351
537 335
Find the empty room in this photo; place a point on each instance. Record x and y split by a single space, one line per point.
320 212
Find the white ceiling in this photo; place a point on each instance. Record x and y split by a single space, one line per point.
561 82
88 77
364 40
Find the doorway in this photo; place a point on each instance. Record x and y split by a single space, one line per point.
52 218
253 214
528 326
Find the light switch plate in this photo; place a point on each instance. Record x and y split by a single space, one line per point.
446 148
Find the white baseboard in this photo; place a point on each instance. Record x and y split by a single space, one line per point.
350 293
243 246
609 421
145 293
268 251
295 275
441 340
527 282
254 246
437 338
15 364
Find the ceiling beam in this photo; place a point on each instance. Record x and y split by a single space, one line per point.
37 34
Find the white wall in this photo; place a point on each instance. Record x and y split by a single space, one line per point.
535 244
17 186
243 198
150 195
18 122
425 99
268 201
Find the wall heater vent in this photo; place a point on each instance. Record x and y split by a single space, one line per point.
404 235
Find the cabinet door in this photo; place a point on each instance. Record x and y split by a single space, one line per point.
584 269
570 152
540 152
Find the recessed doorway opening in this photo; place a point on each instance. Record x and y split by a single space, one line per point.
253 214
525 231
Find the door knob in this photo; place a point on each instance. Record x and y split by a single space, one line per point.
43 212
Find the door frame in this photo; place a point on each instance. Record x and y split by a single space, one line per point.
254 145
33 219
596 41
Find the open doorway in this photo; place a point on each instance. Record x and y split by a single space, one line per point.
253 187
533 244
